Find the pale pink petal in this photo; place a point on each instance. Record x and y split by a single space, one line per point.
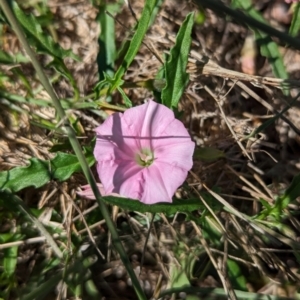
177 155
106 171
108 151
88 193
147 186
162 182
157 183
175 146
148 120
114 174
114 133
133 186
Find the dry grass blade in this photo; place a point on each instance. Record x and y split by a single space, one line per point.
222 275
202 65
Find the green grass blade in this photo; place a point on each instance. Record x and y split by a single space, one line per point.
292 192
295 26
10 260
43 42
175 68
136 41
106 41
186 205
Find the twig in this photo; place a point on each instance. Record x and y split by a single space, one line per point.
203 65
227 123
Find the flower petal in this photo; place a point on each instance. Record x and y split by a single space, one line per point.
114 174
114 135
88 193
176 154
148 121
157 183
162 181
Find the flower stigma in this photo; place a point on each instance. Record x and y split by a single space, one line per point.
144 158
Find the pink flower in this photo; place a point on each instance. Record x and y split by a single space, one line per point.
290 1
143 153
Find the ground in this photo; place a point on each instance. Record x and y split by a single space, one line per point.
239 108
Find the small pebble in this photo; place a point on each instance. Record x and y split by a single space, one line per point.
119 271
147 288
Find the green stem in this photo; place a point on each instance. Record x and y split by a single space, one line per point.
66 127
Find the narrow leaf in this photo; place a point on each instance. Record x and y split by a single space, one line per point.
6 58
169 208
295 26
107 47
10 260
136 40
43 42
208 154
236 276
175 68
292 192
127 101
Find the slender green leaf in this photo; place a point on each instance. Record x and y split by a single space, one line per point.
10 260
136 41
178 277
59 65
277 210
39 172
236 276
126 44
43 42
169 208
175 68
127 101
5 58
292 192
295 26
107 47
208 154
